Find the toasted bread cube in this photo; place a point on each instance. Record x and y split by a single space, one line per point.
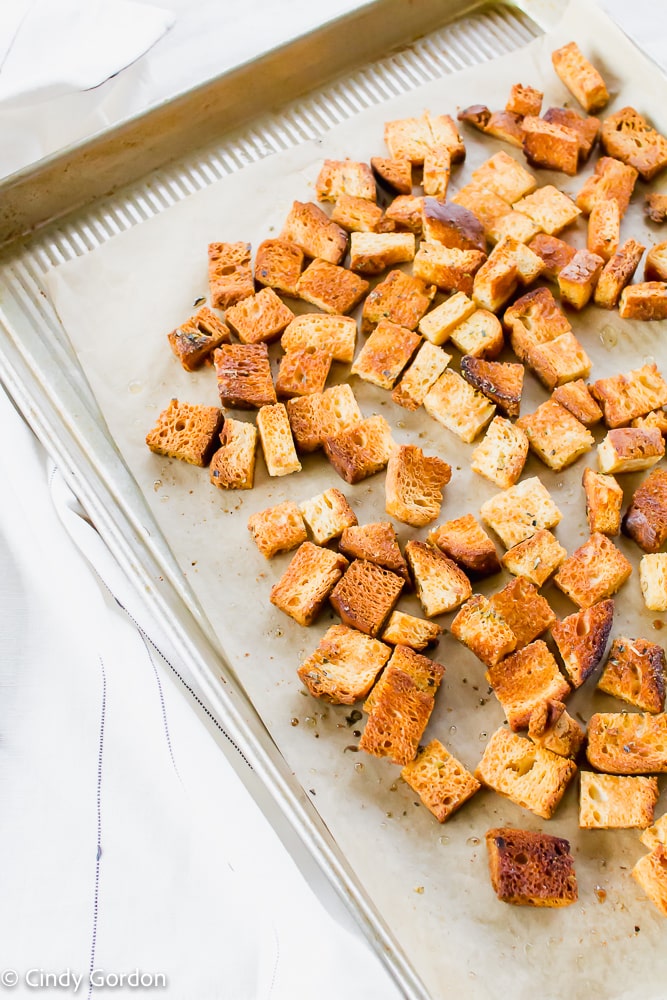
585 127
194 341
321 415
630 138
552 728
531 869
594 571
524 100
630 449
361 450
229 273
536 558
655 206
479 336
451 270
581 639
520 511
655 266
576 397
555 435
427 367
526 774
437 325
500 382
611 181
406 630
546 144
437 168
458 407
441 586
396 173
656 834
624 397
528 264
635 672
645 520
452 225
244 376
412 138
278 264
526 612
465 541
398 717
505 176
628 743
655 420
514 224
277 529
365 596
549 208
405 213
496 281
385 354
426 675
414 484
344 667
399 298
653 580
534 319
505 125
440 780
558 361
376 543
277 442
578 279
331 288
335 334
501 456
372 253
327 515
476 115
651 874
610 802
445 133
313 231
580 77
483 630
555 254
645 301
302 372
307 582
357 215
233 464
485 205
338 177
186 431
604 499
604 229
524 680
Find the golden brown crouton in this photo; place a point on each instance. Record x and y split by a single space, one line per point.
307 582
413 485
505 125
656 834
327 515
321 415
405 213
611 180
624 397
335 334
338 177
372 253
558 361
531 869
343 668
451 270
376 543
517 513
277 529
576 397
396 174
645 301
528 265
610 802
628 743
437 168
331 288
581 639
483 630
498 278
313 231
229 273
194 341
630 138
555 254
505 176
478 336
440 780
536 558
438 324
501 455
514 224
630 449
502 383
604 229
244 376
578 279
399 298
385 354
594 571
526 774
651 873
580 77
407 630
635 672
398 718
535 318
425 673
427 367
526 612
555 435
524 100
655 265
278 264
441 586
186 431
549 208
486 206
412 138
277 442
360 451
655 206
465 541
365 596
302 372
457 406
552 728
524 680
645 520
357 215
233 465
585 127
547 144
653 580
604 499
656 420
452 225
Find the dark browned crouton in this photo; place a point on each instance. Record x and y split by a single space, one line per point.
582 638
452 225
194 341
502 383
396 174
465 541
586 128
244 376
646 518
555 254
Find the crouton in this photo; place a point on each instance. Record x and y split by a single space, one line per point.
505 176
365 596
407 630
624 397
651 874
277 529
526 612
486 206
452 225
483 630
611 180
505 125
229 273
372 253
451 270
244 376
536 558
233 464
576 397
555 435
375 543
427 367
524 100
476 115
604 228
524 680
357 215
312 574
437 325
628 743
514 224
344 667
465 541
441 586
314 232
437 168
535 318
653 580
585 127
546 144
501 455
385 354
552 728
558 361
425 673
656 834
194 341
338 177
581 639
399 298
405 213
549 208
635 673
412 138
335 334
644 301
655 206
555 254
440 780
497 279
327 515
500 382
458 407
627 136
526 774
531 869
580 77
604 499
594 571
655 420
645 520
361 450
479 336
321 415
398 718
331 288
578 279
610 802
413 485
396 173
277 442
520 511
302 372
186 431
278 264
630 449
655 265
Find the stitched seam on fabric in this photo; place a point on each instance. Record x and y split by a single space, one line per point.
98 855
165 721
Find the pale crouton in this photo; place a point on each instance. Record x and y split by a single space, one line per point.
412 138
405 213
343 668
552 728
526 612
624 397
536 558
555 254
335 334
483 630
360 451
445 133
414 484
244 376
558 361
365 596
398 718
630 449
505 176
372 253
313 231
630 138
399 298
645 520
611 180
338 177
514 224
451 270
604 499
331 288
656 834
505 125
577 280
277 529
547 144
635 673
376 543
651 874
533 319
479 336
327 515
549 208
465 541
500 382
555 435
357 215
520 511
458 407
407 630
655 265
531 869
604 229
585 127
526 774
628 743
644 301
452 225
437 168
427 367
524 100
233 464
496 281
596 570
580 77
576 397
307 582
321 415
610 802
194 341
186 431
396 173
655 206
581 639
653 580
278 264
440 780
229 273
437 325
277 442
525 680
385 354
529 265
441 586
501 455
302 372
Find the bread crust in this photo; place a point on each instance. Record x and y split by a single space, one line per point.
465 541
531 869
628 743
635 672
194 341
581 639
645 520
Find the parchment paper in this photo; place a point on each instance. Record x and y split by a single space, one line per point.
429 881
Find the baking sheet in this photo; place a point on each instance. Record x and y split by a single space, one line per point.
117 304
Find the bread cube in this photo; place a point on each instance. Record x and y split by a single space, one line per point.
425 673
314 232
630 449
278 264
398 718
611 180
437 168
581 639
575 396
604 499
533 319
376 543
302 372
372 253
550 145
555 435
407 630
505 125
385 354
458 407
497 279
524 100
514 224
450 269
412 138
580 77
624 397
440 780
427 367
653 580
244 376
645 520
531 869
526 774
305 585
651 874
321 415
277 529
594 571
558 361
635 673
344 667
399 298
501 455
555 254
655 266
229 273
357 215
360 451
578 279
441 586
194 341
478 336
452 225
233 464
610 802
628 743
644 301
655 206
520 511
552 728
552 210
485 205
526 612
186 431
437 325
395 174
585 127
365 596
335 334
338 177
656 834
500 382
483 630
277 442
327 515
331 288
524 680
536 558
604 229
405 213
413 485
505 176
630 138
465 541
